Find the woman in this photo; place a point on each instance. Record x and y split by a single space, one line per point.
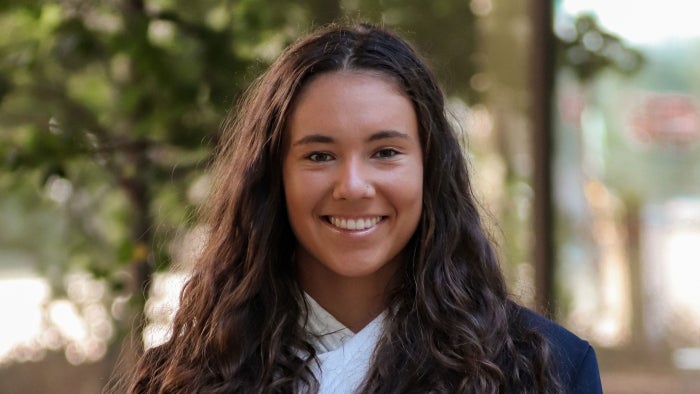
346 253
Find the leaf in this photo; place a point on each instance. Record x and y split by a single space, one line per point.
125 251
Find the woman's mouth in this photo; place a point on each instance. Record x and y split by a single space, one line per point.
354 224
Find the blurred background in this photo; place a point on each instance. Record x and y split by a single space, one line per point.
581 120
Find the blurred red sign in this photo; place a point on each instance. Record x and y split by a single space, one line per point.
667 119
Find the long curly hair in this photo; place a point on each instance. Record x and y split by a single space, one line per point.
239 328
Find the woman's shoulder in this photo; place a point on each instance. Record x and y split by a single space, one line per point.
574 357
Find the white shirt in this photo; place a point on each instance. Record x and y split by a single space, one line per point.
344 356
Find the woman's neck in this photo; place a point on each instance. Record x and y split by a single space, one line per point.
351 306
353 301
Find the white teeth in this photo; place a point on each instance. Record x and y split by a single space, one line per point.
355 224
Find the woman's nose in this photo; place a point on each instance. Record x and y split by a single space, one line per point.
353 181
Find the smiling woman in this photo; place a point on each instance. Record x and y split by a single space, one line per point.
353 182
346 253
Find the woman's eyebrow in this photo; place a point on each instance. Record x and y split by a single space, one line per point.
324 139
387 134
313 139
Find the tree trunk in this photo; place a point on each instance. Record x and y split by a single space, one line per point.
542 71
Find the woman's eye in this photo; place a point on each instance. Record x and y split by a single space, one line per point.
386 153
319 157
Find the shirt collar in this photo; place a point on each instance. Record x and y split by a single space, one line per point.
326 333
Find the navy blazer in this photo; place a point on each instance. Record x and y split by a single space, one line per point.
575 359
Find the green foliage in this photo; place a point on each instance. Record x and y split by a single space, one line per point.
108 113
588 50
445 30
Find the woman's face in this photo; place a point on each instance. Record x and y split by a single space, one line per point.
353 176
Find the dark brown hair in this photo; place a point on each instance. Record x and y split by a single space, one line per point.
239 329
